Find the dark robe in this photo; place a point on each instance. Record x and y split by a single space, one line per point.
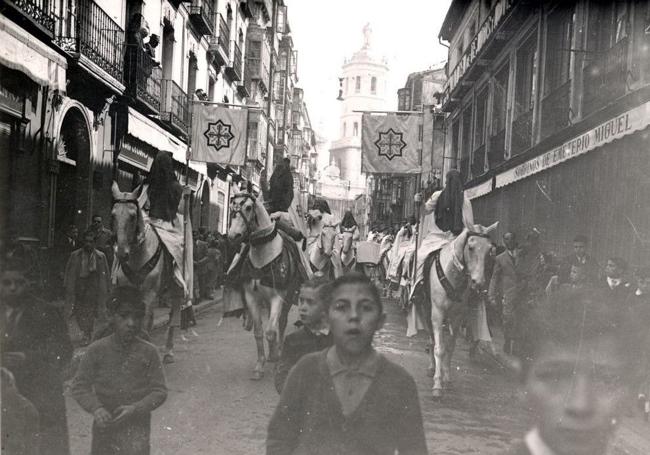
165 192
281 189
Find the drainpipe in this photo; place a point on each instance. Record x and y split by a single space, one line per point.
274 19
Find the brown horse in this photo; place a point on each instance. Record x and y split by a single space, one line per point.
462 263
269 272
144 262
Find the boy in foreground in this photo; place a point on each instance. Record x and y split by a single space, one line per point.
313 335
348 399
577 372
120 381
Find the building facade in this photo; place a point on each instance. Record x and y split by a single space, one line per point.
364 81
391 200
548 108
92 90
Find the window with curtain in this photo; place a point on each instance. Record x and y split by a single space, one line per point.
558 45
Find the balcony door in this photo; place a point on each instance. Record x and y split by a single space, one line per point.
525 92
167 52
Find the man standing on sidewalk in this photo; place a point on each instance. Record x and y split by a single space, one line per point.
87 282
503 289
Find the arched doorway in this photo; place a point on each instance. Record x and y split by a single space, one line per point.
72 195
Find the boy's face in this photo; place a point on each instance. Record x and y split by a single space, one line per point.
576 275
310 311
576 397
12 286
354 317
612 270
127 322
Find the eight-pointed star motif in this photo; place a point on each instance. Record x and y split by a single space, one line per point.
390 144
219 135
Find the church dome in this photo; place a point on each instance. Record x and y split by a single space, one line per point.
366 54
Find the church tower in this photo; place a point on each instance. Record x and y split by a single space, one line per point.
364 79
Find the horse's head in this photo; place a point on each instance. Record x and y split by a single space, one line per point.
346 242
477 251
247 215
126 220
326 239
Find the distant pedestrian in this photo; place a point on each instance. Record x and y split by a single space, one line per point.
348 399
313 333
614 281
503 292
36 349
120 381
582 258
104 238
87 284
576 373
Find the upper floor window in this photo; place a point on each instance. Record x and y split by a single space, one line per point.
345 129
481 113
558 48
373 85
525 74
355 129
357 84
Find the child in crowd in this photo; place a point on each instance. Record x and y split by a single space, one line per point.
312 335
120 380
578 369
348 399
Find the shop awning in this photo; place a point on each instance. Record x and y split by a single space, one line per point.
615 128
147 131
479 190
20 52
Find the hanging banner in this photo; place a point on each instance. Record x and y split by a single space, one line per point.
391 143
219 134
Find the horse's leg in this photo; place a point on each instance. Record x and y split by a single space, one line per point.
438 349
176 298
150 297
256 316
449 351
273 329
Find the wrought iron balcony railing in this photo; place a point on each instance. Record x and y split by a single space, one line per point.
142 77
224 36
92 33
202 17
38 11
174 109
234 68
605 77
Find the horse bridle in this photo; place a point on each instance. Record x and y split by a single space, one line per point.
460 264
238 210
139 236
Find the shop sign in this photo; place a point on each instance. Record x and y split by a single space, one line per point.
135 156
615 128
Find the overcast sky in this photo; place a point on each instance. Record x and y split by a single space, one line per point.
327 31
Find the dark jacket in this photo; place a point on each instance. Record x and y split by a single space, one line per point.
42 336
296 345
309 419
591 268
504 278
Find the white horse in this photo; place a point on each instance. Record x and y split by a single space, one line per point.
269 272
348 254
142 259
321 251
462 262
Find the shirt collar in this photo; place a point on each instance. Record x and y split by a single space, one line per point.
368 366
536 444
613 282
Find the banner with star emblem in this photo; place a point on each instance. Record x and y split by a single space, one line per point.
219 134
391 143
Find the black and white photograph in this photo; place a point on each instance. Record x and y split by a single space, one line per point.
335 227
